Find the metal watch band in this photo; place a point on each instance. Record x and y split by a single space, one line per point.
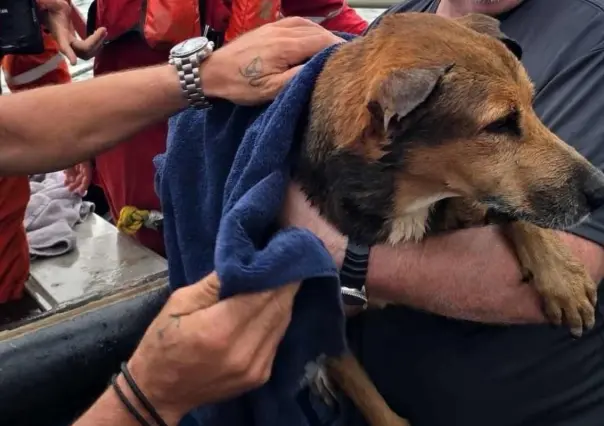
353 274
190 80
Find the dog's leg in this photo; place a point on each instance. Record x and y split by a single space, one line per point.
352 379
569 294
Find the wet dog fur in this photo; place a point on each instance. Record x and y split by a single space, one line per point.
426 125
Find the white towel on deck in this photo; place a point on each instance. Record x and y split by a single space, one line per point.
52 213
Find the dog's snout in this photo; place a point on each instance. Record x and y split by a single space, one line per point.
593 189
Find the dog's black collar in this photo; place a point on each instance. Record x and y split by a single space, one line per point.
354 274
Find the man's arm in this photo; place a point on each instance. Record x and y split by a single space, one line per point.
108 410
471 274
184 360
55 127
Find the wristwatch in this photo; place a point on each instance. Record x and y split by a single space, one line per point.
354 274
187 58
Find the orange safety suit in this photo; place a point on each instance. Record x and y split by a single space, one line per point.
22 72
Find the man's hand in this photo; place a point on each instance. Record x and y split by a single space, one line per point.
78 177
255 67
198 351
57 18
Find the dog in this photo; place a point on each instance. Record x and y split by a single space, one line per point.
426 125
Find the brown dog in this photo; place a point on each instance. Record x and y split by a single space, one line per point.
426 124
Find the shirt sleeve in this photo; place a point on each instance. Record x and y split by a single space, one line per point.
571 104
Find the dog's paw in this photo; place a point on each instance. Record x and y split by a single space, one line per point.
569 295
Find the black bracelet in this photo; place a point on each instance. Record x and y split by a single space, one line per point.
129 407
141 396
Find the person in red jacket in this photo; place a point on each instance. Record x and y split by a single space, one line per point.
126 173
24 72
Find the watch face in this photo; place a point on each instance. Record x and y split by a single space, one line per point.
188 47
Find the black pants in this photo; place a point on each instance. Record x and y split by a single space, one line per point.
439 372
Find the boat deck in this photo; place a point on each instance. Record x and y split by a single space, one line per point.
105 261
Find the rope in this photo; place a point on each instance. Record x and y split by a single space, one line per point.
131 220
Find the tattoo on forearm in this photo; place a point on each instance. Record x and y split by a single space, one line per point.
253 72
173 320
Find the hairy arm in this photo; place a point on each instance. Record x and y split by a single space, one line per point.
108 410
469 274
54 127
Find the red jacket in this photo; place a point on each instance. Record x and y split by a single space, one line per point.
345 18
121 16
23 72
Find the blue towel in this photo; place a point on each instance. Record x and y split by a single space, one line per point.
222 182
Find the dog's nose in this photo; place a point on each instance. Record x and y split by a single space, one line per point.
593 189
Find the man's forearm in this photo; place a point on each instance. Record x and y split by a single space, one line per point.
108 410
471 274
54 127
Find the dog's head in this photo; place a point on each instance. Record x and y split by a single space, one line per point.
449 106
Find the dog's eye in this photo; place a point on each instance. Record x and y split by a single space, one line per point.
508 124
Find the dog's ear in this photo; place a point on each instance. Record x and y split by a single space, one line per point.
401 92
490 26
